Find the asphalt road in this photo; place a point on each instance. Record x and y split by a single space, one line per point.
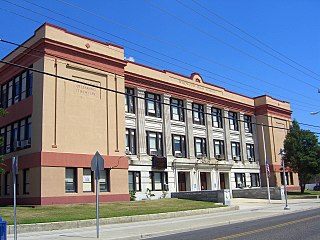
296 226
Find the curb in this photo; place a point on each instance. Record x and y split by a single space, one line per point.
38 227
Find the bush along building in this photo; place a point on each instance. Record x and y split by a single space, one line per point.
158 131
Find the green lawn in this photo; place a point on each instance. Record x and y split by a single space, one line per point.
57 213
306 193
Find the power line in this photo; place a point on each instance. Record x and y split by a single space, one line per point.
123 93
253 37
162 54
173 45
229 45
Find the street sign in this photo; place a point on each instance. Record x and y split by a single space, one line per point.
15 170
97 164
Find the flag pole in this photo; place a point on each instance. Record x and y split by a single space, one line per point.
266 162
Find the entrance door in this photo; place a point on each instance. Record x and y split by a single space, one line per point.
203 178
222 181
182 181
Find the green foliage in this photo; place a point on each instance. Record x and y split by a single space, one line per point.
132 195
3 112
302 153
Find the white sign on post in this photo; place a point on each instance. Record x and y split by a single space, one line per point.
97 164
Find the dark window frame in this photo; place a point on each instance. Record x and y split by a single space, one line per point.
180 109
198 109
238 151
217 117
107 182
74 182
243 180
255 183
7 183
130 100
247 123
134 183
233 121
91 182
183 145
159 143
154 99
26 183
203 143
163 179
221 149
132 141
250 149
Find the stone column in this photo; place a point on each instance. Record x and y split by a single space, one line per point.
167 125
243 145
189 132
210 151
227 142
141 131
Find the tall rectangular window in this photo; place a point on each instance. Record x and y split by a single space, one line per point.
247 124
131 141
235 149
16 90
177 111
71 180
134 181
159 181
198 114
130 100
219 149
217 118
30 82
28 131
15 135
87 181
24 85
153 105
240 180
178 146
291 178
7 183
200 147
104 180
4 96
26 181
255 179
233 121
154 143
10 93
8 139
250 152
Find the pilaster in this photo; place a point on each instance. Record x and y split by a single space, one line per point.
227 135
243 145
189 135
209 132
167 125
141 133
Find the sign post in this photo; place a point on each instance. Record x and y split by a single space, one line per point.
14 175
97 164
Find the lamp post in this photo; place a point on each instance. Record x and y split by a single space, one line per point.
284 179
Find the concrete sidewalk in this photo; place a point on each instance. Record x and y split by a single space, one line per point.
250 209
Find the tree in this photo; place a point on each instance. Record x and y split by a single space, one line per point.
302 153
2 114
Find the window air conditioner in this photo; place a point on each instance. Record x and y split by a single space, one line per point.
199 155
128 151
153 152
178 154
217 156
18 144
28 142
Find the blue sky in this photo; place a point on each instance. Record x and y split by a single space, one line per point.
188 36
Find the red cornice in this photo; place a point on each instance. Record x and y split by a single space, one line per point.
155 85
272 110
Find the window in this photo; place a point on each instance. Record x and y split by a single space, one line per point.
17 89
129 100
217 118
247 124
235 149
153 105
233 121
104 181
198 113
291 178
200 147
177 111
282 180
250 152
219 149
71 180
26 181
7 183
16 135
240 180
287 178
87 180
178 146
130 141
134 181
255 179
159 181
154 143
